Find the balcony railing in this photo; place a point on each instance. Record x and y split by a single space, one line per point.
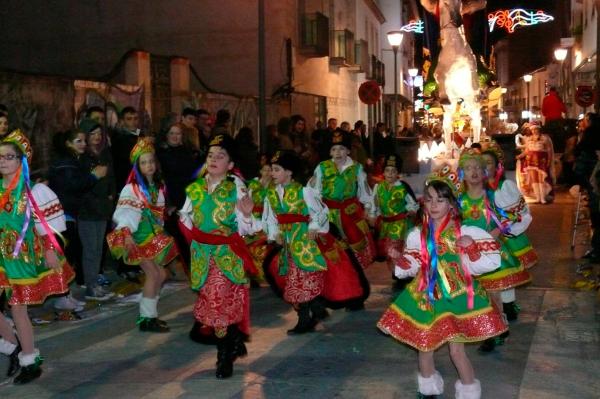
314 33
362 59
343 48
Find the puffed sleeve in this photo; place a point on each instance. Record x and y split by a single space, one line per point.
316 181
246 225
411 204
365 195
50 208
376 200
269 221
510 199
317 210
412 255
185 213
484 255
129 210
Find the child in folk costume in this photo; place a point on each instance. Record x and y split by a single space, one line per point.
257 243
32 264
478 208
309 263
342 185
538 158
395 204
139 237
444 304
217 211
516 218
293 217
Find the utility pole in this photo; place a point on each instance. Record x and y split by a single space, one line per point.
262 101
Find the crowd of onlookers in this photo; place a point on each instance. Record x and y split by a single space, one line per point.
90 165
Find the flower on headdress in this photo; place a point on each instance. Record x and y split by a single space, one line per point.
18 138
445 175
144 145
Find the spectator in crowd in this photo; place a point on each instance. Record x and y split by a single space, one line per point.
284 128
96 208
123 140
222 123
189 121
358 152
272 140
587 175
299 136
70 180
552 106
178 164
345 126
3 124
248 159
97 114
203 132
321 139
383 143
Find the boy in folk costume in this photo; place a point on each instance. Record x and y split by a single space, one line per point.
217 211
139 237
515 217
444 304
309 263
342 185
478 209
32 264
257 243
293 218
395 204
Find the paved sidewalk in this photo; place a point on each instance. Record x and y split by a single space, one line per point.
553 350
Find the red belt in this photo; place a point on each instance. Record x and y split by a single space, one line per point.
258 209
349 220
394 218
234 241
289 218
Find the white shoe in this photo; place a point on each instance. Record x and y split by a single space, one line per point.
64 303
98 294
76 301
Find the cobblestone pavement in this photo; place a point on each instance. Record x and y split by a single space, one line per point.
553 350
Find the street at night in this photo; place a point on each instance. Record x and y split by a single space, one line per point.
553 350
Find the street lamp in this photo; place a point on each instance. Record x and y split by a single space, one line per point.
395 39
413 72
560 54
527 78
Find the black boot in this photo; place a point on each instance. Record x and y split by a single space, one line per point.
224 357
238 346
148 324
511 309
202 334
13 365
317 309
305 322
488 345
28 373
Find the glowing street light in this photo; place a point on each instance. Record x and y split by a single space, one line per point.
527 78
395 39
560 54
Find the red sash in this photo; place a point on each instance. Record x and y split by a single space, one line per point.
234 241
349 219
289 218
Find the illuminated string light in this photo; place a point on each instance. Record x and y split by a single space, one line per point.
511 19
415 26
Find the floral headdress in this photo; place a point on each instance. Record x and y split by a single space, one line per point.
447 176
144 145
20 183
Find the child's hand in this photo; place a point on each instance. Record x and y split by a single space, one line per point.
245 205
465 242
52 260
312 235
